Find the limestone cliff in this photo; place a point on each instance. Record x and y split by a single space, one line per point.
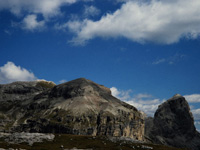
79 107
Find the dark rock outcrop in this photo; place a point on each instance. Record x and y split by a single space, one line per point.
173 125
15 100
79 107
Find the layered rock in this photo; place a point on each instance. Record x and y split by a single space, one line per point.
173 125
76 107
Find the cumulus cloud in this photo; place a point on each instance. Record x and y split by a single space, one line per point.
91 11
193 98
196 113
46 7
145 102
149 109
142 101
30 22
115 92
122 95
157 21
10 73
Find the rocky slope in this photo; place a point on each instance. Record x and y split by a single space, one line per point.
173 125
79 107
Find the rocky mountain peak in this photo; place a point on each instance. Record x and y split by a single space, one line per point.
175 114
173 125
174 104
83 96
80 107
79 87
177 95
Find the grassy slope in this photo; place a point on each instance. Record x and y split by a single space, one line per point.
82 142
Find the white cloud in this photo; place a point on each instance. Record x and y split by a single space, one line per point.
143 102
114 91
149 109
148 104
91 11
73 25
156 21
30 22
32 8
196 113
193 98
122 95
10 73
46 7
62 27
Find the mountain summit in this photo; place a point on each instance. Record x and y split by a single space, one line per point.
79 107
173 124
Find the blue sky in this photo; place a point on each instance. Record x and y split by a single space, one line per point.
145 51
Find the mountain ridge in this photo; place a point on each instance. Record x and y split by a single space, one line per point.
83 107
76 107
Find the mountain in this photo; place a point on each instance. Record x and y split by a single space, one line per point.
79 107
82 107
173 125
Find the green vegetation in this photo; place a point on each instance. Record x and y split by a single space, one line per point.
83 142
45 84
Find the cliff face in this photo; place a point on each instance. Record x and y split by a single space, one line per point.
76 107
173 125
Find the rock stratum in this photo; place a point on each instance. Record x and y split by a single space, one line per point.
173 125
79 107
